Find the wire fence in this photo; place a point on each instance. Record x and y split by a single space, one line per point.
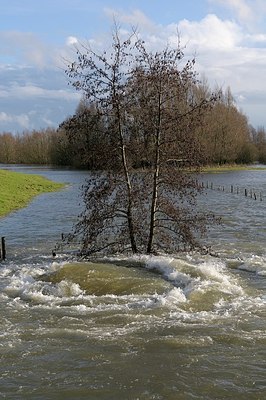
234 189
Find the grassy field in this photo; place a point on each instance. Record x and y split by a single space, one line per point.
215 169
17 190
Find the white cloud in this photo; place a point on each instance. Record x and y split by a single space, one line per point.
241 98
4 117
210 33
247 12
228 56
71 40
258 38
243 11
27 49
136 18
33 98
24 47
36 92
47 121
22 120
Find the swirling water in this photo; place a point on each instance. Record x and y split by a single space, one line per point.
175 327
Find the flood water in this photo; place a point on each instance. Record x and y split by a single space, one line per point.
176 327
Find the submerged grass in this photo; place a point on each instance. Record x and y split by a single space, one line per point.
17 189
216 169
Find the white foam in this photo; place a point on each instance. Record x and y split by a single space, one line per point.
192 282
242 307
254 263
173 298
197 277
68 289
217 274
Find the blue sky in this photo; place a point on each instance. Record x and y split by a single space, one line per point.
227 36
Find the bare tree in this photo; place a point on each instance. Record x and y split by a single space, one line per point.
103 79
147 104
172 113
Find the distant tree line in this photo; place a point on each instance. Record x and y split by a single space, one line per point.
82 141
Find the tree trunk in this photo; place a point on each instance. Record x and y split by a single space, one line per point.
155 178
128 183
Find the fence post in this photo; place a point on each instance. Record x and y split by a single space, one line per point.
3 248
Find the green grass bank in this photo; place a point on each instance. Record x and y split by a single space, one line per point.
216 169
17 189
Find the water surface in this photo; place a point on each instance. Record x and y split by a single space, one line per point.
175 327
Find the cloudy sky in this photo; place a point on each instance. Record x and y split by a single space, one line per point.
227 36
